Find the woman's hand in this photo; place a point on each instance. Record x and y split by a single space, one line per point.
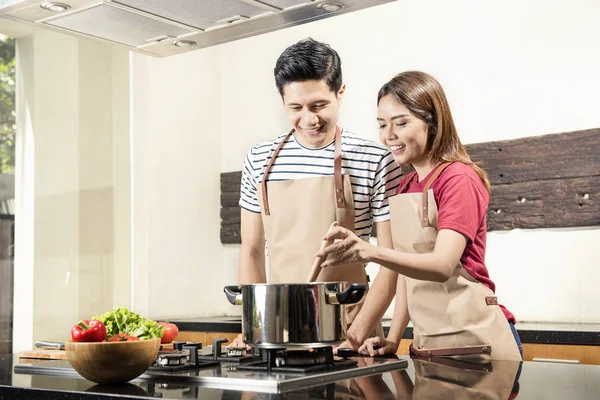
346 248
378 346
346 344
238 342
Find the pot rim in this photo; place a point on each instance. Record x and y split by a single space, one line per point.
294 284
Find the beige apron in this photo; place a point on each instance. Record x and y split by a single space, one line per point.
296 215
457 317
447 378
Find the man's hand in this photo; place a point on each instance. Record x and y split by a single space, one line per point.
239 342
378 346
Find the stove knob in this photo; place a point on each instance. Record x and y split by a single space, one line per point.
193 347
345 353
178 346
217 347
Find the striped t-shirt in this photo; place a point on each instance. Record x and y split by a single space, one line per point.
373 173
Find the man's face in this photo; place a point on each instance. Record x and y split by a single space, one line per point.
312 108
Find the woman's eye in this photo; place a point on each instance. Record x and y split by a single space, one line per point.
400 123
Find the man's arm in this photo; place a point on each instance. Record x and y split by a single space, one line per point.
380 294
251 268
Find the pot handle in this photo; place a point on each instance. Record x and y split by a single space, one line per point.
234 294
353 294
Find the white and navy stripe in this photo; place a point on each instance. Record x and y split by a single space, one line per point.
373 173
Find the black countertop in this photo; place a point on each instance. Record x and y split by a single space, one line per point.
420 380
530 332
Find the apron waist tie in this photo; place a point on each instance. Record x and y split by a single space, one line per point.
451 351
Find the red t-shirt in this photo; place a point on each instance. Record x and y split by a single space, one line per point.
462 202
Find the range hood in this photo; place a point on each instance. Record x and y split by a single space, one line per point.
167 27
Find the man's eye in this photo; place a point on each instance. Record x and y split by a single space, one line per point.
296 108
382 126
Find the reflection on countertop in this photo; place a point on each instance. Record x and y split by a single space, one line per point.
421 380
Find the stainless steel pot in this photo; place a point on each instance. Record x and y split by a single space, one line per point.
294 315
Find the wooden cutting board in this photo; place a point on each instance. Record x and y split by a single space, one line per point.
55 354
44 354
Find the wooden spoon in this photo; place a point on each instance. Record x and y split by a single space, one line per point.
316 267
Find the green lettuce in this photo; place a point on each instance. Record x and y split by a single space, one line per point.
121 320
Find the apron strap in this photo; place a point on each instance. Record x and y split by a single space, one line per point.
409 179
449 352
337 171
425 197
263 185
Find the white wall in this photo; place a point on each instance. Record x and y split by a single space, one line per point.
510 69
177 147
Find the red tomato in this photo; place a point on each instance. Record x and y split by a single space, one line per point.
123 337
171 331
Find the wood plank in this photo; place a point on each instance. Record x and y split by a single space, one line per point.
230 199
44 354
230 181
191 337
210 336
230 215
403 348
230 234
583 354
562 155
545 204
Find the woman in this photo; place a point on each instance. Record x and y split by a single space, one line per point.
438 222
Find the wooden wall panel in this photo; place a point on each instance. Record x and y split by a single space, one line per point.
547 181
545 204
555 156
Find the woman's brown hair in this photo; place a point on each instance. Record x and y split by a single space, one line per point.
424 97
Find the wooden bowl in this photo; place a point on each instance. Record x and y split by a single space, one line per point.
112 362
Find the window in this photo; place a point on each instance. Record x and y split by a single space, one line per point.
7 189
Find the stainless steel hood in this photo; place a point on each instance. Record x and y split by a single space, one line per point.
167 27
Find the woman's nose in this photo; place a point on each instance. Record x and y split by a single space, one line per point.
389 134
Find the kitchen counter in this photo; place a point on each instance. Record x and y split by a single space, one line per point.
420 380
530 332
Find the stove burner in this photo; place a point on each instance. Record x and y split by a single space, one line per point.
184 357
171 358
298 361
235 351
299 357
234 355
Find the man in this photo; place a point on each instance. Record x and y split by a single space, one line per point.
294 186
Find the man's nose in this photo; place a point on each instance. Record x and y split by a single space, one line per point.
309 119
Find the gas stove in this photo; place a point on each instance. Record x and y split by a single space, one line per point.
267 371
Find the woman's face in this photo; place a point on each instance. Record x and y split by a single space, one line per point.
401 132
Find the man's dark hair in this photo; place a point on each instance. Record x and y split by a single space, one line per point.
309 60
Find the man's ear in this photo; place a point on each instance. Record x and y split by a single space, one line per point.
340 93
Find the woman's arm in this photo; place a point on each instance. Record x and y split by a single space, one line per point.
379 346
401 316
436 266
378 298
